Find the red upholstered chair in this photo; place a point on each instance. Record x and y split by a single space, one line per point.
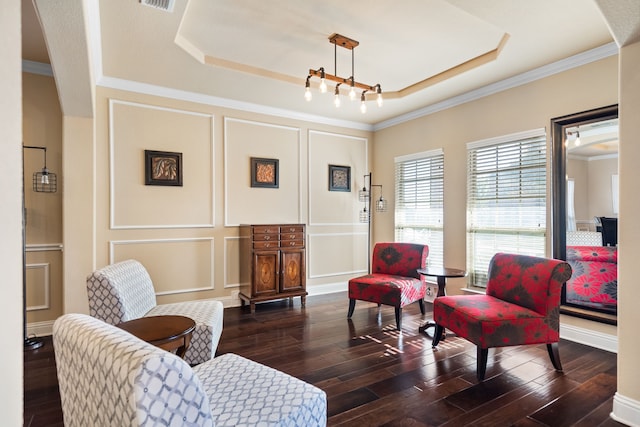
521 306
393 280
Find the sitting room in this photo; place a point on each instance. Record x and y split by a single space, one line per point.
236 165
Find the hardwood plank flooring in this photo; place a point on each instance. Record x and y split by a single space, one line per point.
376 376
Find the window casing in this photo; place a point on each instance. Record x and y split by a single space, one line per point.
506 199
419 202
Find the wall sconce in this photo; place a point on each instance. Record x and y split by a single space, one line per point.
573 135
43 181
364 195
380 206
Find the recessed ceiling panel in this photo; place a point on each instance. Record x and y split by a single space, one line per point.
399 45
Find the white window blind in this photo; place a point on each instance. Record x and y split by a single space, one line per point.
419 202
506 199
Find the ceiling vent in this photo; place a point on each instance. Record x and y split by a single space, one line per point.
166 5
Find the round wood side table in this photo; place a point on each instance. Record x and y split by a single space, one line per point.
442 274
171 333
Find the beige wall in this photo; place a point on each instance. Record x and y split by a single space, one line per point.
42 127
600 187
593 188
527 107
11 215
629 236
187 236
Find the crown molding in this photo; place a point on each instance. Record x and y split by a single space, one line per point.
574 61
149 89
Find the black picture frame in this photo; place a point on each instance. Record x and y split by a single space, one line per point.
339 178
264 172
162 168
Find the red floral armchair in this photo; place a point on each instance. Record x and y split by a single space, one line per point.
594 283
521 306
394 279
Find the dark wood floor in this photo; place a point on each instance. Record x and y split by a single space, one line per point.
376 376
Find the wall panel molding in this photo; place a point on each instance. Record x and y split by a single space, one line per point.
45 285
170 255
335 262
120 223
331 207
244 139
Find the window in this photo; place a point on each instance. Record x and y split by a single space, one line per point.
419 202
506 199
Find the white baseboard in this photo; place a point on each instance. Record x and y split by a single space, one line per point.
40 329
588 337
329 288
625 410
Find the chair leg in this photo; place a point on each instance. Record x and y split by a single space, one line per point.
554 354
398 318
421 304
352 305
482 363
437 334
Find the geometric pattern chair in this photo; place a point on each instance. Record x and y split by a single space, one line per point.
108 377
521 306
394 279
124 291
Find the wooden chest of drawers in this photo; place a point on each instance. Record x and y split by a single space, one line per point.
272 263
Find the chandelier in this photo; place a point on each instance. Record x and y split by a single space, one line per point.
347 43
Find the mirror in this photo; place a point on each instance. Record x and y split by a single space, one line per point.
584 214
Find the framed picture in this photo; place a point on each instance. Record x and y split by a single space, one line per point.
339 178
162 168
264 172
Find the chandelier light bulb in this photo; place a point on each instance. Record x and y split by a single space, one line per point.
323 86
323 82
336 100
379 99
363 105
352 93
307 90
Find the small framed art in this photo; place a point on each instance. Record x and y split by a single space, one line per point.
162 168
264 172
339 178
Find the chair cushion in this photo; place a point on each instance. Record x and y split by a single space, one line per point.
245 393
387 289
399 259
208 316
490 322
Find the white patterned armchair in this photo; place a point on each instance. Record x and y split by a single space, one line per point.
108 377
124 291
